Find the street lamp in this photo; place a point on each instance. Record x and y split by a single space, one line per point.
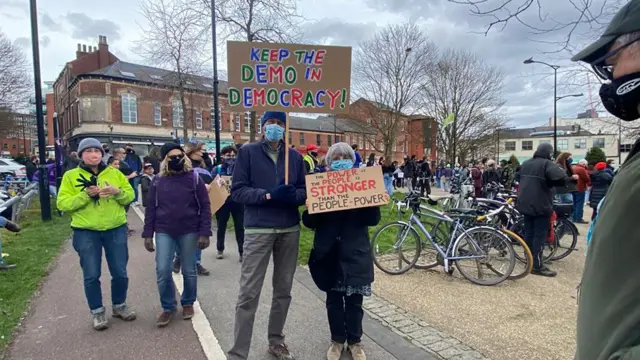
555 98
216 105
406 127
566 96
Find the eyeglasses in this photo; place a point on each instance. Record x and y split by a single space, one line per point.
604 70
174 157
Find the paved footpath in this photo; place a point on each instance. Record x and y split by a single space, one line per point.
59 327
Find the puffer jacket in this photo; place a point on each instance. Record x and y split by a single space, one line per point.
600 181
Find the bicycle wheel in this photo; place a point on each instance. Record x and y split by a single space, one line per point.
565 232
493 251
524 258
428 258
548 249
395 248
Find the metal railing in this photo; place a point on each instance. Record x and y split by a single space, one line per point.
20 203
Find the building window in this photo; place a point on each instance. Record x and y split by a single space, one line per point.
328 140
290 138
337 138
626 147
395 146
301 138
527 145
13 146
213 118
198 120
598 142
236 121
157 114
177 114
259 128
129 109
563 144
318 140
510 146
247 121
580 143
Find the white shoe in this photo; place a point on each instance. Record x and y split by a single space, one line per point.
335 351
357 352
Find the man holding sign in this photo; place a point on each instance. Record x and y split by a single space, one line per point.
272 225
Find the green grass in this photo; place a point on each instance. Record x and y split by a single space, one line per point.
32 250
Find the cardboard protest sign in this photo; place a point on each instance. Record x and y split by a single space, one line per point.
217 195
345 189
288 77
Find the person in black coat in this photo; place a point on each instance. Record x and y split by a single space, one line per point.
340 262
601 179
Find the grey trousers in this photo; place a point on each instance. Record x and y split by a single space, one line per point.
257 251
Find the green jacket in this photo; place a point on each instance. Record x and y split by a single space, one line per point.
608 311
86 213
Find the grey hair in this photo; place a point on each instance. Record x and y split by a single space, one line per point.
340 149
627 38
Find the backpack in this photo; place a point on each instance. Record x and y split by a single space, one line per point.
196 180
505 175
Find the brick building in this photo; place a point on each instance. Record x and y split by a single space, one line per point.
21 138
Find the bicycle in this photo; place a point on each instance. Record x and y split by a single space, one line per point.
458 249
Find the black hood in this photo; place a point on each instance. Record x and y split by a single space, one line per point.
544 150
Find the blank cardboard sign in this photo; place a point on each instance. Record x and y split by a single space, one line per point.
345 189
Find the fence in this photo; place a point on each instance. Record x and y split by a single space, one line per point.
20 203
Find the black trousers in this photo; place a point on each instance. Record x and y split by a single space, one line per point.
345 317
230 208
536 233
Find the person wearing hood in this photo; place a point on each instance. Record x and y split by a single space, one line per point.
608 320
135 164
340 262
179 216
230 208
107 153
601 179
537 177
272 226
95 196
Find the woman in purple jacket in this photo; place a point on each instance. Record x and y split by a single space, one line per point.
179 215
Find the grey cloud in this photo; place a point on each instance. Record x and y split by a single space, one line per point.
45 41
85 28
48 23
338 32
11 16
23 42
22 5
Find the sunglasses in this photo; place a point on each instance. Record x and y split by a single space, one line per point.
604 70
174 157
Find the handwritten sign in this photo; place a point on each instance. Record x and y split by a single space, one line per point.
288 77
346 189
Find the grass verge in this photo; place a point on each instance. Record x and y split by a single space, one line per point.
32 250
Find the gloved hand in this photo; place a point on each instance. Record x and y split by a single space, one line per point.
284 194
203 242
148 244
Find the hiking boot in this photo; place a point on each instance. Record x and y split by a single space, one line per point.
164 319
100 321
124 312
280 352
357 352
176 265
240 258
335 351
187 312
13 227
220 255
202 270
4 266
544 271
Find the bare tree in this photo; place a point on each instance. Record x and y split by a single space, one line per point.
462 87
256 20
174 38
389 70
15 82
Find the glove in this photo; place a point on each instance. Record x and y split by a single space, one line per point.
284 194
203 242
148 244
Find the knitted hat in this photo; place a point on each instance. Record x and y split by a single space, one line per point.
277 115
89 143
601 166
168 146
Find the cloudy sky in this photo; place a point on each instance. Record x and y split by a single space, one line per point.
528 88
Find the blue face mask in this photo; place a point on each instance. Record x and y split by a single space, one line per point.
273 132
569 161
342 164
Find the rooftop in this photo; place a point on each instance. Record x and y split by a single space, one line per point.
544 131
326 124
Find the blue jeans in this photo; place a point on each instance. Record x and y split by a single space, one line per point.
166 246
438 184
88 244
3 223
578 205
564 198
198 255
388 183
134 183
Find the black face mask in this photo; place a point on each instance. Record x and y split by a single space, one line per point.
106 150
176 164
622 96
129 150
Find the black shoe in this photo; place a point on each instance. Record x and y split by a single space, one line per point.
13 227
176 265
4 266
544 271
202 271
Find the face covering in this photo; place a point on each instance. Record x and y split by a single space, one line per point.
342 164
569 161
106 150
622 96
129 150
176 164
273 132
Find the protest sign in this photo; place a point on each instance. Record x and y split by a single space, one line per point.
346 189
217 195
288 77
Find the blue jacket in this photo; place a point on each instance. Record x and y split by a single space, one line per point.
356 164
255 175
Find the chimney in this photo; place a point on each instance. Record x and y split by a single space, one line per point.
103 52
84 49
80 51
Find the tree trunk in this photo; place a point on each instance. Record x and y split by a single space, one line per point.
185 127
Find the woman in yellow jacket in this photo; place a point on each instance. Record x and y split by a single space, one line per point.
95 196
